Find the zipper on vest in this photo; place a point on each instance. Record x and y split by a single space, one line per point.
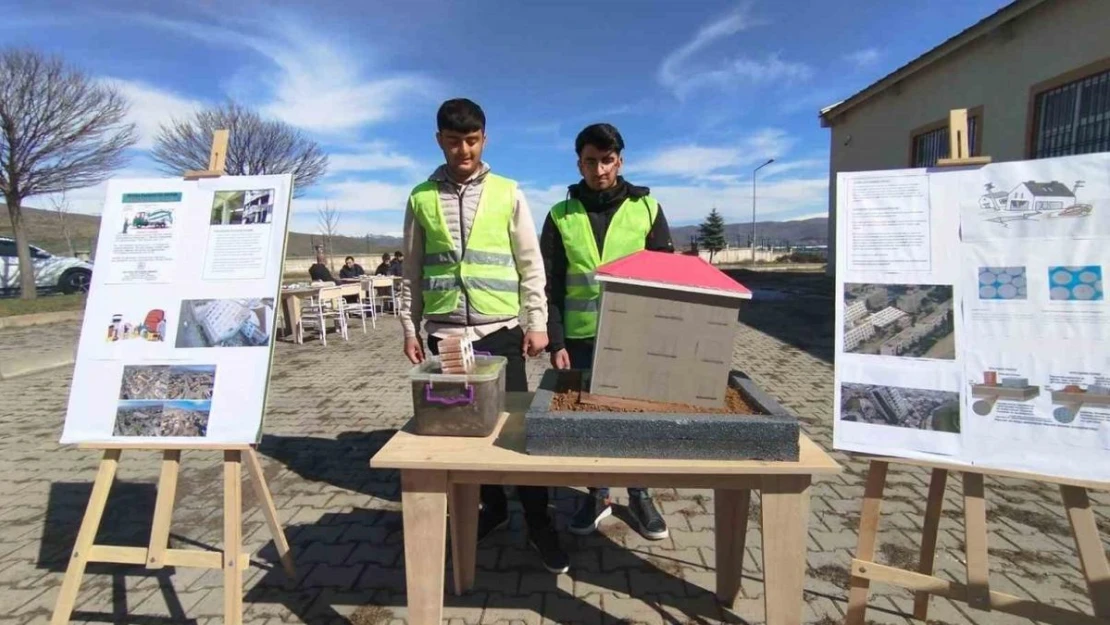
462 245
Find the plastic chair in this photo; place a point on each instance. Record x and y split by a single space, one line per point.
329 305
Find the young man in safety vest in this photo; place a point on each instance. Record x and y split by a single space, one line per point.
472 263
603 218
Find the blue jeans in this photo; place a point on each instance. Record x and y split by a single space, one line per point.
581 352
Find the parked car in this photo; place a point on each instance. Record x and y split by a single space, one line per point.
60 273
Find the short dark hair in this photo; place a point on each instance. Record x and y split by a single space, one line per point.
348 258
397 254
385 256
460 115
604 137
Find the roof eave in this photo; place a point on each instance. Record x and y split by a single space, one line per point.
984 26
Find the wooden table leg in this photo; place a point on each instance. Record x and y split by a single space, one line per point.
868 532
975 541
462 502
785 505
233 538
731 527
424 508
1092 556
98 500
933 508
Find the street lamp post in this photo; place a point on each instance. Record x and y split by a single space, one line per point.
769 161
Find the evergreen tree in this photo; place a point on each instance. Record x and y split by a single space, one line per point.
711 233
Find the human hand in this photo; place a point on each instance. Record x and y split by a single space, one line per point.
534 343
414 351
560 359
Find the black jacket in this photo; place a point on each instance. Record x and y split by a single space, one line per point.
382 270
600 208
351 272
319 272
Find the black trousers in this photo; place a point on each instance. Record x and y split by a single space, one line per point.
510 344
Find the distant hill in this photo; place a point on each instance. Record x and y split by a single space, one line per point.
45 229
802 232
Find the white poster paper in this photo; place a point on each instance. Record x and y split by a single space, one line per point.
176 344
1010 324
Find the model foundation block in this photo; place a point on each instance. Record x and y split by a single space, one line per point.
772 435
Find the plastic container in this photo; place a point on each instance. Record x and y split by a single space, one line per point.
458 405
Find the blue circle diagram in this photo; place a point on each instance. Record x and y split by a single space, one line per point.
1075 284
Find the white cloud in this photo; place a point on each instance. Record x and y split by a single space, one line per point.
864 58
680 72
778 198
313 81
376 156
706 162
88 200
352 224
356 196
151 107
809 216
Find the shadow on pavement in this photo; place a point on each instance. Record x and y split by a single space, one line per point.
343 461
126 523
793 307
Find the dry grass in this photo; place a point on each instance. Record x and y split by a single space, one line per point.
833 574
371 615
899 556
13 306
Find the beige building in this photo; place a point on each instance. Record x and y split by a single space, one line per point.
1035 77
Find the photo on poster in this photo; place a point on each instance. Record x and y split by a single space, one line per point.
162 418
1075 283
149 326
225 322
168 382
906 320
140 219
242 208
902 407
1003 283
1007 387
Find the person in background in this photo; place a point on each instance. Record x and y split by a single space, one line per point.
351 269
396 267
603 218
319 271
383 267
473 263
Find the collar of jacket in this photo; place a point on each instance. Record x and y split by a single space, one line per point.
440 175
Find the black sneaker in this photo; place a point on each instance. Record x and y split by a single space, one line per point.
490 521
546 543
590 514
646 518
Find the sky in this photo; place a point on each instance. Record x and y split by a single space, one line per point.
702 91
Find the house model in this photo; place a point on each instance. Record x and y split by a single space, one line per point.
666 327
1030 196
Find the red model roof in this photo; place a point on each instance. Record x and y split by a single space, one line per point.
671 271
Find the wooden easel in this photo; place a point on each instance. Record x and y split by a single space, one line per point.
976 593
157 554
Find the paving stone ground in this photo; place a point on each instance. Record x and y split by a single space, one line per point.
331 408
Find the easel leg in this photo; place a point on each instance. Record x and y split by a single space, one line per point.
1092 557
975 539
785 510
266 501
233 538
163 510
868 532
462 506
67 598
731 528
937 484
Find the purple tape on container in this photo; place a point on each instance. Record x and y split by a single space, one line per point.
449 401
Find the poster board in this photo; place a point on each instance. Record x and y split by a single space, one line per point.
972 322
177 337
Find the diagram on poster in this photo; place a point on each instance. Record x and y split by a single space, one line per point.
1014 306
177 346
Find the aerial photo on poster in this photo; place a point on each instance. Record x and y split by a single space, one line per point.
162 418
908 320
167 382
225 322
235 208
919 409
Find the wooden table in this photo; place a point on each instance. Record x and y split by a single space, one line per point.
291 303
438 472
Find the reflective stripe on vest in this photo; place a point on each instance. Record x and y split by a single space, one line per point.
627 234
487 270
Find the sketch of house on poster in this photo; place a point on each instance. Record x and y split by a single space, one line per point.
1030 200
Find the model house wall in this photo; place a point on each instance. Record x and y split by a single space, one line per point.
664 345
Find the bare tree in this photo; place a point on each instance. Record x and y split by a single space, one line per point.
61 209
327 218
59 129
257 146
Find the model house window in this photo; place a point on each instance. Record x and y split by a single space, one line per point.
932 145
1073 118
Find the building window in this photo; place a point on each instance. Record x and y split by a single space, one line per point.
932 145
1073 118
